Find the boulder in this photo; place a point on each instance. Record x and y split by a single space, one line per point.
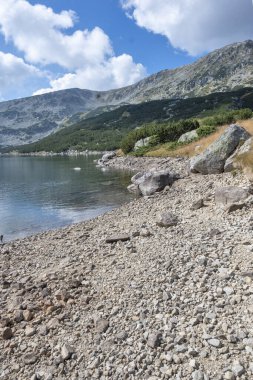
150 182
188 136
230 195
212 160
141 143
105 158
233 162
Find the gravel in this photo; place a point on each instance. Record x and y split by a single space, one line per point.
167 303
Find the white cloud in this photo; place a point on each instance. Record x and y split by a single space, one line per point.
116 72
195 26
38 32
14 73
44 39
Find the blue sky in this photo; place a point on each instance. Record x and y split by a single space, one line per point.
102 44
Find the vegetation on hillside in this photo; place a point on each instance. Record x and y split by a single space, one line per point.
106 131
169 133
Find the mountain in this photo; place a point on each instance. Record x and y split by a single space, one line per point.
30 119
106 130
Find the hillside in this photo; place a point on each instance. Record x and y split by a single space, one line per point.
30 119
106 130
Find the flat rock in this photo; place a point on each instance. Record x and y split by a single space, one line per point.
102 325
230 194
115 238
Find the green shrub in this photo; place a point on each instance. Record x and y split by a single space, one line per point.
162 133
205 130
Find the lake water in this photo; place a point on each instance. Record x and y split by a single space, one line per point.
42 193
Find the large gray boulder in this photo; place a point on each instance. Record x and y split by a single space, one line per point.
234 161
212 160
188 136
150 182
231 194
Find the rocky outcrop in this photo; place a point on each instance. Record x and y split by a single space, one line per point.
188 136
213 159
234 161
150 182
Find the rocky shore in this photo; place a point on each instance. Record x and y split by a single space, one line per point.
160 288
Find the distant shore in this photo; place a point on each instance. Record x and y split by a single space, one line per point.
52 154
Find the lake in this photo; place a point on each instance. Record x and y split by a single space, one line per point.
42 193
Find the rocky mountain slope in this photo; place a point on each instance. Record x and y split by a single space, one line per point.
30 119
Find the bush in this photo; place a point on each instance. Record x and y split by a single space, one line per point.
205 130
161 133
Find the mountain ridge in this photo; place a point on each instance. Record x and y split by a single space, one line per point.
29 119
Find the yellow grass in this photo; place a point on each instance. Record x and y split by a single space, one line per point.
199 146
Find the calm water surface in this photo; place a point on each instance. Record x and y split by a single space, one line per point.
42 193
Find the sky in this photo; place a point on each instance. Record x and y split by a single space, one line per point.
50 45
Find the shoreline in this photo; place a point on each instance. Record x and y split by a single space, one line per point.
164 302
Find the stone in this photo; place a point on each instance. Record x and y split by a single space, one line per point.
214 343
228 375
230 195
29 331
142 143
188 136
198 375
134 189
102 325
234 161
212 160
7 333
105 158
235 207
154 339
28 315
197 205
167 219
18 316
238 369
66 351
153 181
116 238
30 359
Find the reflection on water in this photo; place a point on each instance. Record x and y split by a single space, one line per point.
41 193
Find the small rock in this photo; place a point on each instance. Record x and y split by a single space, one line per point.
214 343
238 369
28 315
7 333
229 375
116 238
167 219
29 331
197 205
198 375
154 339
66 351
30 359
101 326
